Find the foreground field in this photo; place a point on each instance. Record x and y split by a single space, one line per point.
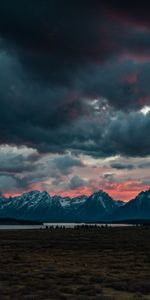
75 264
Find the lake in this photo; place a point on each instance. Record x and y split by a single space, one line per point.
72 225
54 225
21 227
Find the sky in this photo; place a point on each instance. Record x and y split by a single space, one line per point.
75 97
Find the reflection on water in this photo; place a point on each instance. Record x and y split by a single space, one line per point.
16 227
72 225
54 225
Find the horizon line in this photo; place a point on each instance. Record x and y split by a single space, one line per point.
59 194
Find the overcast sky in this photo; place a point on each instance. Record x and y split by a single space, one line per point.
75 97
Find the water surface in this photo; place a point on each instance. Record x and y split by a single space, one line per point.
60 225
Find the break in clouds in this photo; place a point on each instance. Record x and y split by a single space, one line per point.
74 96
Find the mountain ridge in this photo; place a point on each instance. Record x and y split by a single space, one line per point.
98 207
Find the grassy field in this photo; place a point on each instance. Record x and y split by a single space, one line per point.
75 264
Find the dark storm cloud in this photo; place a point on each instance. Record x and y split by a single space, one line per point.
13 160
7 182
122 166
17 164
144 165
129 134
52 37
54 40
49 167
65 163
76 182
138 13
57 39
46 118
56 57
12 183
125 85
125 134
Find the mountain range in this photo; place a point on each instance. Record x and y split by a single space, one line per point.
99 207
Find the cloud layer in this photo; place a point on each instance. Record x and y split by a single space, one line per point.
74 82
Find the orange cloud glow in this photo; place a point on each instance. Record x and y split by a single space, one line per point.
120 191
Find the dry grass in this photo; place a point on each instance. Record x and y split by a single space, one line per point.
75 264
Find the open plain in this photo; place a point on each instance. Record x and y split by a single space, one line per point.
75 264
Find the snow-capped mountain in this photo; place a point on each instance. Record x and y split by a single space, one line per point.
136 209
40 206
33 205
72 203
36 205
97 206
119 203
71 207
